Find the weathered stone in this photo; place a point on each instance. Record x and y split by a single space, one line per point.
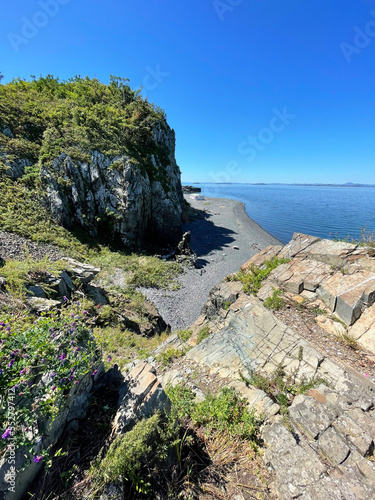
354 433
96 294
267 289
332 253
81 271
258 399
266 254
222 296
296 467
40 305
113 491
347 294
330 326
140 395
348 485
17 168
301 273
363 329
333 446
36 291
311 416
299 243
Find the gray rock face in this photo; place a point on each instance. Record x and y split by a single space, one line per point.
17 168
326 449
140 396
115 198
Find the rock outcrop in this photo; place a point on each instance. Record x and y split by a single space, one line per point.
321 446
119 198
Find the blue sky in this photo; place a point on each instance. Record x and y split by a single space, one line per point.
256 90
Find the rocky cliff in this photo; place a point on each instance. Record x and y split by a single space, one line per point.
104 155
116 198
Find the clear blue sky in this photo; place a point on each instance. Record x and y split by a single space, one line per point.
224 71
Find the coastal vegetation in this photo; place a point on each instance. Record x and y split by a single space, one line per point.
253 277
205 437
44 117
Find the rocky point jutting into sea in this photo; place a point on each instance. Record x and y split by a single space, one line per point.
264 385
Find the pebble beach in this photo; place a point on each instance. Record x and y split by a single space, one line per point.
223 237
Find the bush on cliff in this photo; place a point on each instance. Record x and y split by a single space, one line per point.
84 125
44 117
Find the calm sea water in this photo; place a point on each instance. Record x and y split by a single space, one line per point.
319 211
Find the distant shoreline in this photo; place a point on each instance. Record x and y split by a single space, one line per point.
350 185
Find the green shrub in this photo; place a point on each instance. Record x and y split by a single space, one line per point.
275 302
138 270
253 278
203 334
184 335
227 411
182 399
127 454
167 357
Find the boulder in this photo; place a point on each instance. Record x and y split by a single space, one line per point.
348 294
266 254
140 395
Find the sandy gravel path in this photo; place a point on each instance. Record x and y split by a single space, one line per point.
221 225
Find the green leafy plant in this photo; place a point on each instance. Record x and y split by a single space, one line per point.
126 456
184 335
167 357
252 279
203 334
275 302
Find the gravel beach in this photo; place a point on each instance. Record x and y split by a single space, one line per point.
221 225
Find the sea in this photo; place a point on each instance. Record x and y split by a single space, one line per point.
325 211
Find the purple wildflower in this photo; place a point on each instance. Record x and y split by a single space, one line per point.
10 364
94 372
7 433
53 388
109 359
53 374
37 458
84 312
65 298
63 356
